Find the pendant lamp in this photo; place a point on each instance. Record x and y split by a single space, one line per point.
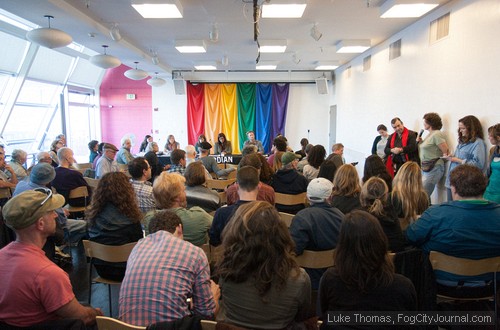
49 37
136 74
155 81
105 61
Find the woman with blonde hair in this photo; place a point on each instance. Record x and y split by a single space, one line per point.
374 199
277 161
408 196
261 284
363 278
346 189
54 147
114 219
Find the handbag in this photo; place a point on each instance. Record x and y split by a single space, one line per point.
428 165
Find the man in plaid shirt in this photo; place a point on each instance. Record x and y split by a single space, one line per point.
140 171
163 271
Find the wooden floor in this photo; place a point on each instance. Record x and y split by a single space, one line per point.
78 274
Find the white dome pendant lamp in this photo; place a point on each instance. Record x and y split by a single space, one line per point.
105 61
155 81
49 37
136 74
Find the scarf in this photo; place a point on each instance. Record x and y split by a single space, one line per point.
404 141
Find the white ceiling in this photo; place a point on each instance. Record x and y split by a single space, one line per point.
336 19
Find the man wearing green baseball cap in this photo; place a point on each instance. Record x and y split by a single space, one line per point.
38 291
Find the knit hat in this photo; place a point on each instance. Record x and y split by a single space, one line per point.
288 157
205 145
25 209
42 173
319 189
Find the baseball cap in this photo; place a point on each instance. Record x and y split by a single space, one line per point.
288 157
25 209
319 189
205 146
42 173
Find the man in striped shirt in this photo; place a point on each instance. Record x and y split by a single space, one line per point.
163 271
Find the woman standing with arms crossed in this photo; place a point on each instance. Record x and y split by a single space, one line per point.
471 148
432 149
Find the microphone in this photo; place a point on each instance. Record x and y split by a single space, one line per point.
421 132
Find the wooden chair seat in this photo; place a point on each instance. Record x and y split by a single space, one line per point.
80 192
286 218
316 259
288 199
109 323
109 253
219 184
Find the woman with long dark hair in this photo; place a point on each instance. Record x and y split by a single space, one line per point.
315 158
114 219
262 286
374 166
148 138
363 277
222 146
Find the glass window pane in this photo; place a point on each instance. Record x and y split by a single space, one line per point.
35 92
20 130
78 126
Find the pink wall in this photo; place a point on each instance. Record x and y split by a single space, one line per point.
120 116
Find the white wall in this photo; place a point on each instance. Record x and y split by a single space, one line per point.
455 77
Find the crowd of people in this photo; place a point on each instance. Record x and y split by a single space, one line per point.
255 282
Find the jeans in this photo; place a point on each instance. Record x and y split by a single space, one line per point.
430 179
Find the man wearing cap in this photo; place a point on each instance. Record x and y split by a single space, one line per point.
248 189
38 291
288 180
210 163
316 227
107 162
40 176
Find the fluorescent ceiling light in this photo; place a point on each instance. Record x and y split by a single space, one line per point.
353 46
159 10
326 66
205 67
191 46
283 10
266 65
406 8
272 46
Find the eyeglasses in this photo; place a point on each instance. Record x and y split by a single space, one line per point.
46 191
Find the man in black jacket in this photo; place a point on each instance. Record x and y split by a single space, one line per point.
288 180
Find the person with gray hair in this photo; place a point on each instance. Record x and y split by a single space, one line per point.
316 227
18 159
124 156
191 157
43 157
6 181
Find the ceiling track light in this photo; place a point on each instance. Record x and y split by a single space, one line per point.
136 74
213 34
49 37
315 33
295 58
225 60
114 32
155 81
105 61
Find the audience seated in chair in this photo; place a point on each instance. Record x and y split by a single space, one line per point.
315 158
17 163
317 227
248 183
262 285
346 189
106 163
363 277
141 171
68 179
288 181
210 163
197 193
163 270
6 181
467 227
38 291
124 156
114 219
266 192
170 194
177 161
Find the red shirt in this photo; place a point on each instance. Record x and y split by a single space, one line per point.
266 193
32 287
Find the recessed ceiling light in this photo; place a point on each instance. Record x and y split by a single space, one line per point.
406 8
191 46
283 10
272 46
266 66
353 46
326 66
159 10
205 67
